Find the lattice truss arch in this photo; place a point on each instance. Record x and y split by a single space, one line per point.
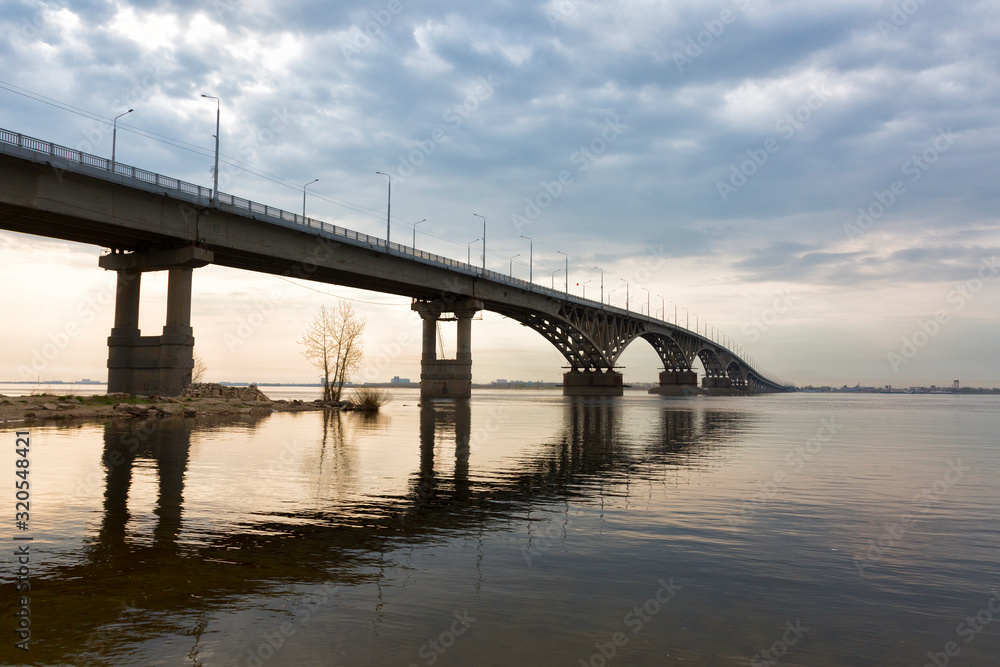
737 373
590 340
677 354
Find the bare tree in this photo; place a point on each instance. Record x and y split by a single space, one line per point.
199 370
334 346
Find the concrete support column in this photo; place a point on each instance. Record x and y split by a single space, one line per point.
127 301
152 364
125 333
429 352
179 298
446 378
464 335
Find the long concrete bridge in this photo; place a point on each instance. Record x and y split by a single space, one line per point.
152 222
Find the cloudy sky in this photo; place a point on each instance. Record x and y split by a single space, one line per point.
819 180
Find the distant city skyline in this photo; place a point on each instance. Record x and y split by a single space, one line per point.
817 181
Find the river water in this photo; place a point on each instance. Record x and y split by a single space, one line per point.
519 528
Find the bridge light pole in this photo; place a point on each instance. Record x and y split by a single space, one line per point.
663 307
676 323
626 293
554 277
510 269
610 293
648 313
388 207
468 248
218 113
304 197
602 283
585 289
567 270
114 137
687 319
484 240
414 244
531 257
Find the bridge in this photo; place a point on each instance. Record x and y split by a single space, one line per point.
152 222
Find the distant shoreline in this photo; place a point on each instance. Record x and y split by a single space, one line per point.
809 389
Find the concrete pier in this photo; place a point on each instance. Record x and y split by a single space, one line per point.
586 383
152 365
716 383
677 383
446 378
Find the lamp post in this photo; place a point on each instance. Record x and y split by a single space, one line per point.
676 323
610 293
510 270
687 319
567 270
484 240
531 256
114 137
626 293
585 289
304 197
388 207
218 113
554 277
648 313
468 248
602 283
414 244
663 307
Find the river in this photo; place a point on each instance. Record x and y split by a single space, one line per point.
518 528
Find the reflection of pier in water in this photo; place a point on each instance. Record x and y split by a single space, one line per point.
166 574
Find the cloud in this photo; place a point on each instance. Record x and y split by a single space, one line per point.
839 97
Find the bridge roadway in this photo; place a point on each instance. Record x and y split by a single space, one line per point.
152 222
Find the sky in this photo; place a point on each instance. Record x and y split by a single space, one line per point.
817 180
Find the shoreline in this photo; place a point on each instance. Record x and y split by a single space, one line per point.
16 410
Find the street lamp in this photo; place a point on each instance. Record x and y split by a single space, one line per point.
510 270
484 240
610 293
554 277
304 197
663 307
414 244
388 207
531 256
676 323
468 249
648 313
114 137
585 289
567 270
626 293
218 113
602 283
687 319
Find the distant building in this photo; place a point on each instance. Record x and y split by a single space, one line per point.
398 380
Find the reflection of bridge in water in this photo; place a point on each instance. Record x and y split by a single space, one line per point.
152 222
167 579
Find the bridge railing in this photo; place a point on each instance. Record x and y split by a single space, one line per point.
105 168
